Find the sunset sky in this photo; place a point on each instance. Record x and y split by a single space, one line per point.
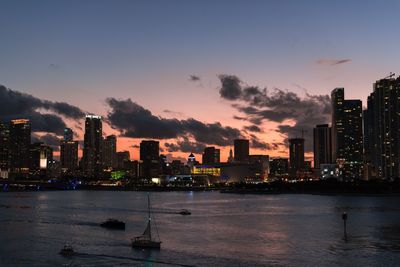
189 67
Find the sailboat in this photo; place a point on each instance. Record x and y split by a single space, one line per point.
146 240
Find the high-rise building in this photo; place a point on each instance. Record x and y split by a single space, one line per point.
20 141
92 145
241 149
4 146
279 168
122 158
150 157
69 152
259 165
382 128
68 134
40 157
296 156
322 145
110 152
149 150
347 135
211 155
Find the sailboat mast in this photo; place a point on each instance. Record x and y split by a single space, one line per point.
149 224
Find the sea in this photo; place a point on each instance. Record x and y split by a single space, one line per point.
223 229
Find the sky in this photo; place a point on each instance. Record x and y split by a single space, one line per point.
189 65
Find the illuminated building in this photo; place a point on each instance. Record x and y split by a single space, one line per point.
40 157
109 150
68 152
279 168
296 156
92 145
382 129
347 135
207 170
322 145
241 148
4 146
211 155
68 135
259 165
20 141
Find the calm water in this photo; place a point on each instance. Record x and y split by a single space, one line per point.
223 230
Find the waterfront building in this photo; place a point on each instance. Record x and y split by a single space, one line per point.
20 141
109 150
296 156
279 168
322 145
241 149
92 144
211 155
382 129
150 157
4 146
347 135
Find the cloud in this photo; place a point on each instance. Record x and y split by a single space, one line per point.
230 87
186 146
51 140
14 104
132 120
253 128
194 78
54 66
277 105
332 62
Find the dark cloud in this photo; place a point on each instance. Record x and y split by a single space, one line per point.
132 120
332 62
49 139
253 128
186 146
194 78
14 104
230 87
278 105
255 142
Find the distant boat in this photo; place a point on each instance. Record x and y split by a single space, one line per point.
113 224
146 240
67 250
184 212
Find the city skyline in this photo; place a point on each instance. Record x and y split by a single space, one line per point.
95 65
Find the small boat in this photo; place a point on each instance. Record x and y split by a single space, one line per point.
146 240
67 250
113 224
184 212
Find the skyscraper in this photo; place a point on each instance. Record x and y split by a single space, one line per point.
110 151
92 145
382 128
4 146
322 145
347 135
241 149
69 152
150 157
211 155
296 156
20 141
68 134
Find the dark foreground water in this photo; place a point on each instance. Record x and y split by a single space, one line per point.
223 230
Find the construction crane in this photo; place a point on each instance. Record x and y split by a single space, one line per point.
391 75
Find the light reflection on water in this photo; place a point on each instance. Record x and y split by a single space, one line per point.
223 230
